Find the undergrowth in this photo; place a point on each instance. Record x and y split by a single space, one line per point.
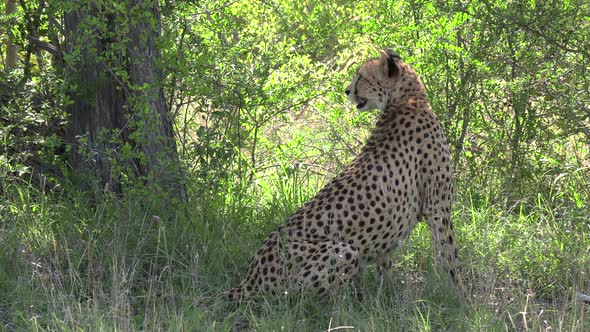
69 263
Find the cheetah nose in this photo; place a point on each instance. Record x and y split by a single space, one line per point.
347 91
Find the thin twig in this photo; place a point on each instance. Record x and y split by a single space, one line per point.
339 328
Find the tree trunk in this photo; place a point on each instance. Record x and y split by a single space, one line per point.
157 140
119 128
96 105
11 49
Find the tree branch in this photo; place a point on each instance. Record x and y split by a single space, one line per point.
583 297
45 46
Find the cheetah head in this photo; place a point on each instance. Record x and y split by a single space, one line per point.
375 81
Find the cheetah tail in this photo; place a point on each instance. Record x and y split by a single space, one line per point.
234 294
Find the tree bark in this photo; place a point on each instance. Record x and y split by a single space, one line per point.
97 105
118 102
157 142
11 49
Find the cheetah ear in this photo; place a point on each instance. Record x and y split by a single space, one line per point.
390 65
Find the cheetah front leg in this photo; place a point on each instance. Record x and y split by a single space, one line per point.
384 265
444 240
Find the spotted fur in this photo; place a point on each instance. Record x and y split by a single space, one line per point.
401 175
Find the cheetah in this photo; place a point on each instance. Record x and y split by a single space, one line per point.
401 175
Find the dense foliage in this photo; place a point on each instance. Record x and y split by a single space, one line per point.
255 90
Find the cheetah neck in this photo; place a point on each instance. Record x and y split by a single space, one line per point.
408 89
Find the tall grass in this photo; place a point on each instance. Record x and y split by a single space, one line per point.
68 263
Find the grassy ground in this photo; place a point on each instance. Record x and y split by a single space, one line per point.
67 264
